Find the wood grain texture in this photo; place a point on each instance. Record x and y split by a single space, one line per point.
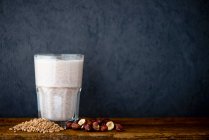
135 128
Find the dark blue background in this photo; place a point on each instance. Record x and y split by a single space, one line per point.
142 57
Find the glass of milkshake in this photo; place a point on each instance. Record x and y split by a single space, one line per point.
58 85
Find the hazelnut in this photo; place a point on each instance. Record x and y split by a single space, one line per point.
119 127
88 127
82 127
68 125
93 120
99 121
82 122
110 125
89 122
104 128
102 121
96 126
75 126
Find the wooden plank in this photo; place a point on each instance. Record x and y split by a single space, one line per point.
135 128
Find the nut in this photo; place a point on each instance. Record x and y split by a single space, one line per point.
87 127
89 122
119 127
102 121
82 122
75 126
96 126
104 128
110 125
99 120
82 127
69 125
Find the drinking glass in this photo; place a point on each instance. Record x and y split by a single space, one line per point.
58 85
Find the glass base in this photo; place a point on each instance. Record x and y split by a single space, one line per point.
61 123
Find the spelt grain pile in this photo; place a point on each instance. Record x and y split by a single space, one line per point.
40 125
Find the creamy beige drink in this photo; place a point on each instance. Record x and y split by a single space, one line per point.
58 83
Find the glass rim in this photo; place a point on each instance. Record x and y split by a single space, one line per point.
59 56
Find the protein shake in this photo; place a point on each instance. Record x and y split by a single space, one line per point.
58 84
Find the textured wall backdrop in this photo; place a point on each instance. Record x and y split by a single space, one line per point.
142 57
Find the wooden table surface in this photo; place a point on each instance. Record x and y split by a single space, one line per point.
135 128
